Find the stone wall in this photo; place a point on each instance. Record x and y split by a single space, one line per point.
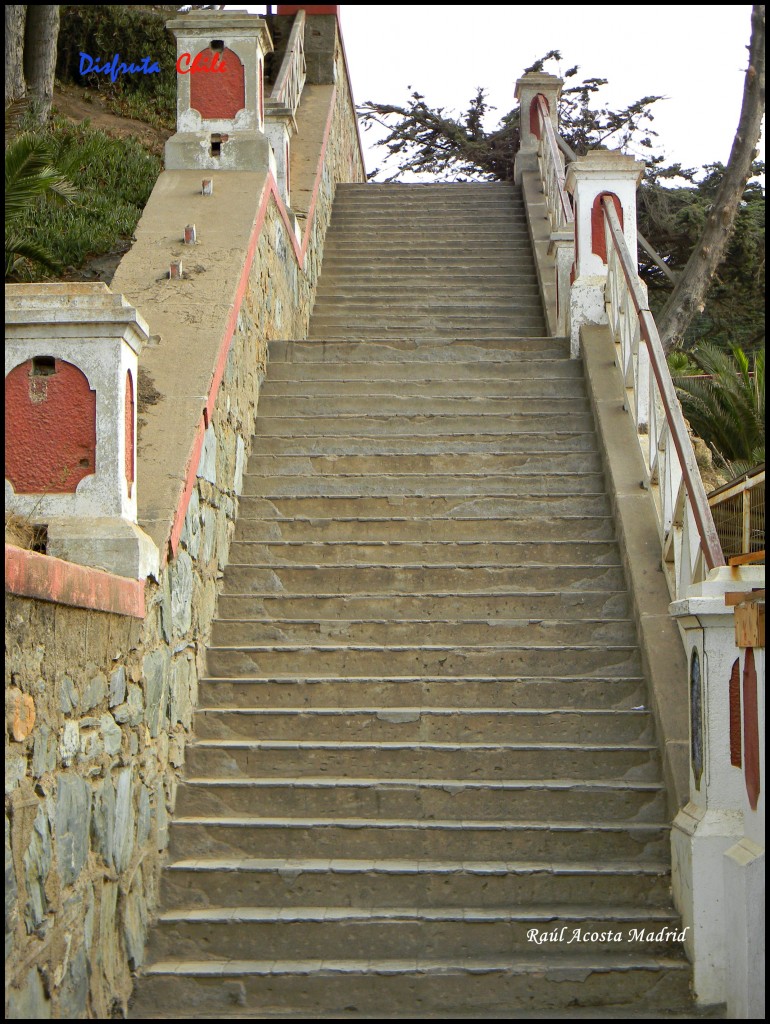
90 786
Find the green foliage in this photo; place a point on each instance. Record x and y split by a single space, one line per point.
134 32
726 405
31 177
114 178
673 218
426 140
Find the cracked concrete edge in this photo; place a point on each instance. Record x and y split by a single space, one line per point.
663 656
539 229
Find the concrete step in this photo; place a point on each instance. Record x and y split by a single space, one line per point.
581 840
394 760
401 529
341 660
438 464
383 579
459 509
395 350
222 882
515 388
601 605
475 986
505 691
417 423
537 632
383 932
424 725
526 321
304 796
425 446
389 404
479 373
405 484
425 553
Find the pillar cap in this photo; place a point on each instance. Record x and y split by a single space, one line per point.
205 22
606 164
540 81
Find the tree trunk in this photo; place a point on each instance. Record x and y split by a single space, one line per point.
689 296
15 17
40 39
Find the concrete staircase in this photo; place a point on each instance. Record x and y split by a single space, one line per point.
424 730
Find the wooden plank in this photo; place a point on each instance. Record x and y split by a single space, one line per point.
752 556
750 625
733 597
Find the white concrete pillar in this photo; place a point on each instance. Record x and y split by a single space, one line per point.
528 87
715 898
71 386
598 173
220 92
278 128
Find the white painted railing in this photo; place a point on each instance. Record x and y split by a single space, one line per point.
290 82
690 543
559 205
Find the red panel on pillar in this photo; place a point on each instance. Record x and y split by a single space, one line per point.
735 715
598 244
129 432
750 729
217 93
50 427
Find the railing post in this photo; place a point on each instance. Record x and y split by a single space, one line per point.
528 88
717 839
598 173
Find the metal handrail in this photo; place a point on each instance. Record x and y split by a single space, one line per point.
631 319
291 78
560 210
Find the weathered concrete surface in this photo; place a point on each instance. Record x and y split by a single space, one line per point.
661 647
90 784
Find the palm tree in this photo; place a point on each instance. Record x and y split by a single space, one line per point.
30 173
726 406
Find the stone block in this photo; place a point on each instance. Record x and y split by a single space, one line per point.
118 686
95 692
30 1001
155 666
143 817
207 467
11 892
181 581
112 735
135 924
43 751
124 821
73 993
37 864
69 745
68 695
103 821
132 711
73 820
15 770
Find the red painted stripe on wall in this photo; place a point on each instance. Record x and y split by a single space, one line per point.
31 574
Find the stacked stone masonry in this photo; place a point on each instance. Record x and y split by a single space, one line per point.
90 786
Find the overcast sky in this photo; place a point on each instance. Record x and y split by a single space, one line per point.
694 55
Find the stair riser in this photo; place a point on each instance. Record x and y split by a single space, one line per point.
445 661
339 888
486 992
419 424
387 939
537 762
475 464
453 375
438 530
435 580
487 844
460 509
427 391
449 553
499 606
430 329
550 634
419 484
505 693
413 802
393 350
